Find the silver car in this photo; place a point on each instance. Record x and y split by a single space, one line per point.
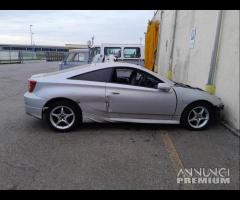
116 92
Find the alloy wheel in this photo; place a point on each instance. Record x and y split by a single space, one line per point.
62 117
198 117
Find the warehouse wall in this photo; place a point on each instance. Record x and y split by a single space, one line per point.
191 61
165 40
227 74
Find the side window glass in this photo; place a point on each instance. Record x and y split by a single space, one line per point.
144 79
131 52
122 75
102 75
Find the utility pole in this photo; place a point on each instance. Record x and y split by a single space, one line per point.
140 40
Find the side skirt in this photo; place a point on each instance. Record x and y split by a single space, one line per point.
146 121
94 118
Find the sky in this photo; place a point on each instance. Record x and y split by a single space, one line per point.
73 26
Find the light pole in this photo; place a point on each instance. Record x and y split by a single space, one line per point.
92 40
31 33
33 43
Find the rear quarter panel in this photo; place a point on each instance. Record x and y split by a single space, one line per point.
89 95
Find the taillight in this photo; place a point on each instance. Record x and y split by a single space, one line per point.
31 85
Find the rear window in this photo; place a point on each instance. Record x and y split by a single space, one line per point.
101 75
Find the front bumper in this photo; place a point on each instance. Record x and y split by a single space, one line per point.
34 105
218 111
220 106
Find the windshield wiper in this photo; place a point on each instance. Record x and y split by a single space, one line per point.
187 86
181 84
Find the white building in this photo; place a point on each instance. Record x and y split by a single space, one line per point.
191 51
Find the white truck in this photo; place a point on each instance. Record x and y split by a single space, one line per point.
130 53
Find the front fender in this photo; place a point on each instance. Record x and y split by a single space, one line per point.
186 96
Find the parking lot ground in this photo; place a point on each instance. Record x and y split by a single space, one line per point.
101 156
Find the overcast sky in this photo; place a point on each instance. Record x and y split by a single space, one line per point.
78 26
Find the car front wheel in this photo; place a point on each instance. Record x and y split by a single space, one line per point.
197 116
63 116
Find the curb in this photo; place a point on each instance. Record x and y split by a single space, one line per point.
231 129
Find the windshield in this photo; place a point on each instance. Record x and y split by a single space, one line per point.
70 57
116 51
77 57
159 76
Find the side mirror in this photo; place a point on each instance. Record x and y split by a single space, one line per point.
164 87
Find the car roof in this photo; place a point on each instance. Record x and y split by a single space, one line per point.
95 66
115 64
92 67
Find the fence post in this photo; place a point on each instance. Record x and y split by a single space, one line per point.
10 56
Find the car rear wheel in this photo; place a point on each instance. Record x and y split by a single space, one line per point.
197 116
63 116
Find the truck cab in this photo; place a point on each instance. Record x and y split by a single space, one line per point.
130 53
75 57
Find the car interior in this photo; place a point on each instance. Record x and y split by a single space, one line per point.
134 77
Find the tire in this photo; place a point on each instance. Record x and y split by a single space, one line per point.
192 118
63 116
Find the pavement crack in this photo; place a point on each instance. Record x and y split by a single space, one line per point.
19 166
31 170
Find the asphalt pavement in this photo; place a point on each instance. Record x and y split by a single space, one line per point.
101 156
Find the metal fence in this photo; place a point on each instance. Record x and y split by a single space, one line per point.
55 56
19 56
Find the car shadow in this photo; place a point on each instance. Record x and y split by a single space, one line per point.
127 126
161 128
102 127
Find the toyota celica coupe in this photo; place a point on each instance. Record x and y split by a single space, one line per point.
116 92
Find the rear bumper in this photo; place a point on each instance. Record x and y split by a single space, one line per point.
33 105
